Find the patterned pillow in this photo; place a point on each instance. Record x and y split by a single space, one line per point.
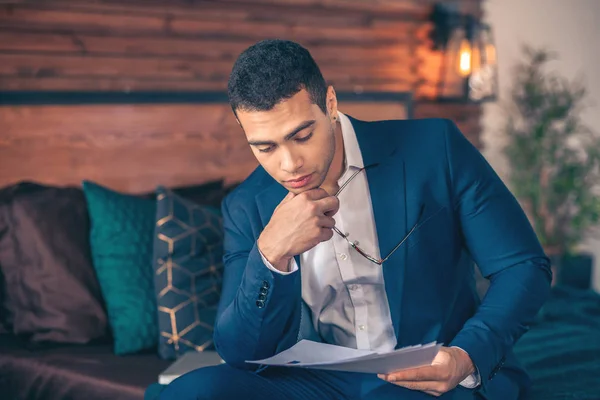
121 238
188 251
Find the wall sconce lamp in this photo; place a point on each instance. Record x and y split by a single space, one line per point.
468 70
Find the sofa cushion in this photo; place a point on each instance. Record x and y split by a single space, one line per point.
188 251
51 291
62 371
121 245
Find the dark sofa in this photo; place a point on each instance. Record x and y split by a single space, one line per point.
62 372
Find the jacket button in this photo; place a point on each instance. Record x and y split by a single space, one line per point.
264 291
265 284
260 303
495 371
262 297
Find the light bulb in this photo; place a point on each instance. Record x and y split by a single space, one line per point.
464 58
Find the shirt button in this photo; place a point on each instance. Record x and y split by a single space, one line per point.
362 327
353 287
344 256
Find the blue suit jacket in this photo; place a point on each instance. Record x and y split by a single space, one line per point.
468 217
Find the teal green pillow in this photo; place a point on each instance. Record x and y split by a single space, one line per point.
121 240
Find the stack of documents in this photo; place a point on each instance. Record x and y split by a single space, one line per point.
308 354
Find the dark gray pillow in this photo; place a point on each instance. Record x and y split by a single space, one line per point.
188 251
51 291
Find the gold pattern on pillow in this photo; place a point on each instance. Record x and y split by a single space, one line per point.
188 273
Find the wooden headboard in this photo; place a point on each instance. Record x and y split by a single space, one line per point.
134 142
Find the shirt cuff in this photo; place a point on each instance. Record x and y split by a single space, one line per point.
473 380
293 267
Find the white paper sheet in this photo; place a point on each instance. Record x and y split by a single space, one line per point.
308 354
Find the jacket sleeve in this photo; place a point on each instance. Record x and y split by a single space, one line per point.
258 307
501 241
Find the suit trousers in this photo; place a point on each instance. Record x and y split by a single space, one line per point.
223 382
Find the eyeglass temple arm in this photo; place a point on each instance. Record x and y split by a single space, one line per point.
415 226
353 175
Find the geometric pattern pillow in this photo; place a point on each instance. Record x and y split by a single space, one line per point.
188 251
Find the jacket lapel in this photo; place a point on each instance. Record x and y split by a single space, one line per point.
388 197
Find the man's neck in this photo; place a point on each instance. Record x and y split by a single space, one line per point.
338 164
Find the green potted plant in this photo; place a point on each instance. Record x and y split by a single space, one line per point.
554 161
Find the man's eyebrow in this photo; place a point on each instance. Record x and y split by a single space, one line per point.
299 128
289 136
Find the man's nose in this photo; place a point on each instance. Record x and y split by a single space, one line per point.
291 162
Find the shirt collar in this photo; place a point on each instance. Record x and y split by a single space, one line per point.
352 152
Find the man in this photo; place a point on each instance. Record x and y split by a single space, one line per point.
364 234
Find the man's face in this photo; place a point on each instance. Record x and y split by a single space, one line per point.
294 141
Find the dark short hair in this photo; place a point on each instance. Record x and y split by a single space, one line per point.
271 71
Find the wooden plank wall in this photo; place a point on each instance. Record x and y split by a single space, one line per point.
183 45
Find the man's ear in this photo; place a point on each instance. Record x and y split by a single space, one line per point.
236 116
331 103
238 121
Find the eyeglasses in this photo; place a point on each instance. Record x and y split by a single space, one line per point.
354 245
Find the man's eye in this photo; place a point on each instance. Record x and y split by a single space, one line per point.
266 149
305 138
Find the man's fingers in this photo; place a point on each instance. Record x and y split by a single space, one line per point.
288 197
326 222
434 388
428 373
326 234
423 386
315 194
435 379
328 205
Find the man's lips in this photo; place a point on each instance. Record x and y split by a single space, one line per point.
297 183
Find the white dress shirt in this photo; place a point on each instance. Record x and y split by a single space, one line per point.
344 291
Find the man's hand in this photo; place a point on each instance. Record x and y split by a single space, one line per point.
449 368
298 224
